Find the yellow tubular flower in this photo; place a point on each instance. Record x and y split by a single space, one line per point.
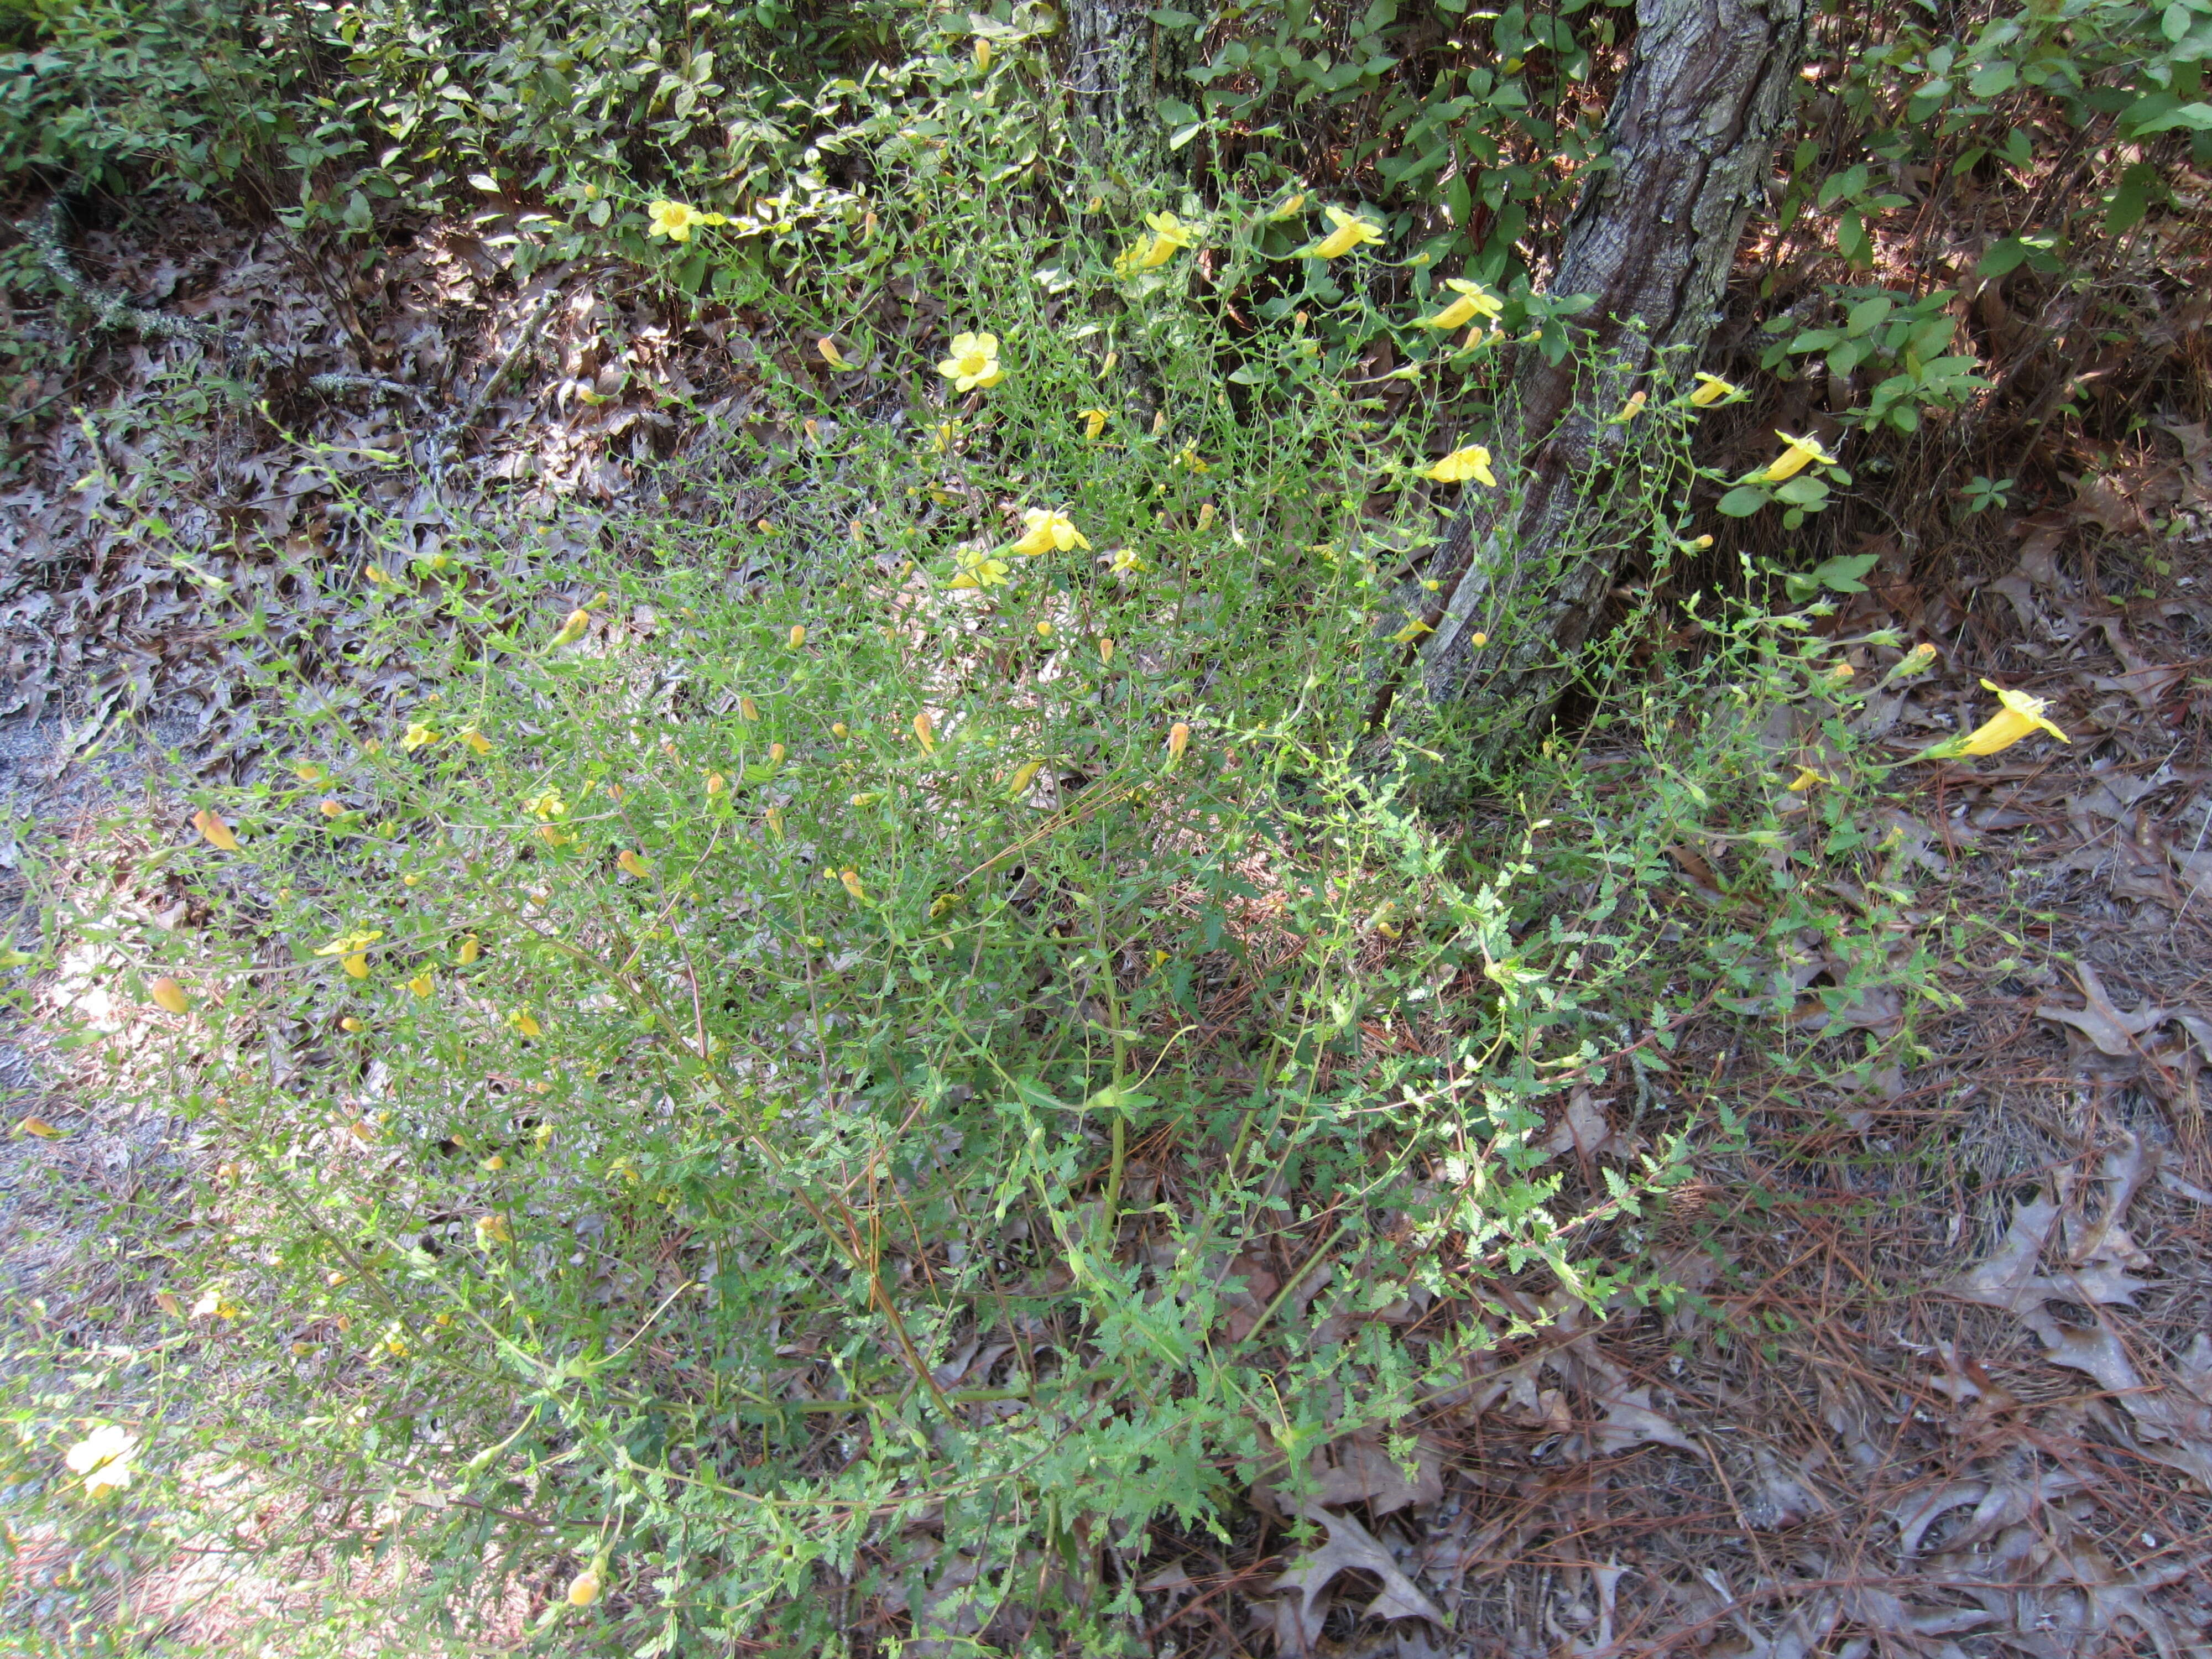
1024 775
979 569
1805 778
1800 454
573 629
1710 388
1471 461
924 732
974 362
851 879
2019 715
1351 231
1047 530
1094 420
1169 236
1474 301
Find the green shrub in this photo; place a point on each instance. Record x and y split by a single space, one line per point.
776 1093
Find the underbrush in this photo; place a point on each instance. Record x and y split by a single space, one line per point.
844 1108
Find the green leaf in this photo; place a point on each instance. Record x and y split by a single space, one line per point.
1743 500
2197 118
1869 313
2132 199
1803 490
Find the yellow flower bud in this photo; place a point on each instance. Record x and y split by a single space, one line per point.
584 1588
924 733
1178 739
210 824
798 637
169 995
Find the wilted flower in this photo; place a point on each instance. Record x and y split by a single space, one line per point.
1474 301
492 1230
1471 461
476 740
1710 390
851 879
103 1458
974 362
924 733
674 220
1047 528
1801 453
1351 231
633 864
1414 627
218 835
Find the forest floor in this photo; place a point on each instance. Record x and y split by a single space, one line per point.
1945 1384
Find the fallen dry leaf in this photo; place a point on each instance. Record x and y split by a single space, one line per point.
1300 1612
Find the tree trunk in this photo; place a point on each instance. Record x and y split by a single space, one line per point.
1120 65
1524 570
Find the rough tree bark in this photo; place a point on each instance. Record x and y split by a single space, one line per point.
1691 131
1120 65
